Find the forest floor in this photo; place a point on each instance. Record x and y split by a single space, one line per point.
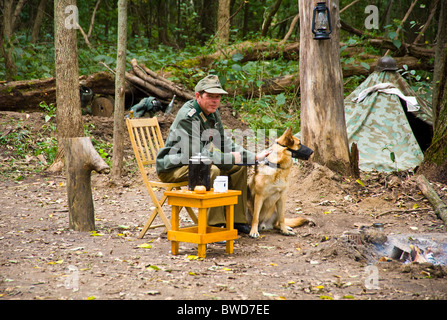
334 258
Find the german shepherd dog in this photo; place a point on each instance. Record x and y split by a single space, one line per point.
269 184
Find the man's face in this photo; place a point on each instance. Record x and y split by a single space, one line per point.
208 102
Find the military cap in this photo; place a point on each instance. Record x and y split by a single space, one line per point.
210 84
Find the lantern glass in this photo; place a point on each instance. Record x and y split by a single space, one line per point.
321 22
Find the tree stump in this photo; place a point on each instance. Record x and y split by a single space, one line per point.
354 160
81 158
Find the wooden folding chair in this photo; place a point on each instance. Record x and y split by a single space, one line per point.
146 139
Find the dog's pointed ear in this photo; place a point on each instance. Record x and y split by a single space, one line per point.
287 138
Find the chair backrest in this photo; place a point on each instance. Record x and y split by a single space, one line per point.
146 139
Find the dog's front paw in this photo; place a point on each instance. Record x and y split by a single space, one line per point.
254 233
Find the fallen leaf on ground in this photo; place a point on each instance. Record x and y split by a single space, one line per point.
145 246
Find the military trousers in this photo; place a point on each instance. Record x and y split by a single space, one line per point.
237 180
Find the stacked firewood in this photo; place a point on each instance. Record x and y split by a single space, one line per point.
155 85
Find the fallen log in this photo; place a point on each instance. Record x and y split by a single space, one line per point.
268 50
100 82
28 94
405 49
171 86
148 87
270 86
439 206
356 68
279 84
413 49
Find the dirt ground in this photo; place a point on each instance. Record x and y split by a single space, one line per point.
334 258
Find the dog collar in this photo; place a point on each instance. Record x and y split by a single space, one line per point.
270 164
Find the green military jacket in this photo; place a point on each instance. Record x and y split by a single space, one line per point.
191 133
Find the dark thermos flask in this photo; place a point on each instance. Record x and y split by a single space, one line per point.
199 172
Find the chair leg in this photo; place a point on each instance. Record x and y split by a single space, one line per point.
161 212
158 210
148 224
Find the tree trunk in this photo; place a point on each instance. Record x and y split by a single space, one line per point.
92 20
434 166
162 18
8 26
68 111
246 17
323 126
268 21
290 31
118 122
440 67
81 158
223 21
38 21
208 15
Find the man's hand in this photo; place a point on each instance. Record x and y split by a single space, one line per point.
237 157
262 155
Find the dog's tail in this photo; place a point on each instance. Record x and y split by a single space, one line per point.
296 222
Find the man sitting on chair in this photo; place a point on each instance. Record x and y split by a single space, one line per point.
198 128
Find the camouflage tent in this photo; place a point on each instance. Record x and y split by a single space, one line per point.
377 120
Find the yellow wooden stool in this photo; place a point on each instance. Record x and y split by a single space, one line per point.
202 233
